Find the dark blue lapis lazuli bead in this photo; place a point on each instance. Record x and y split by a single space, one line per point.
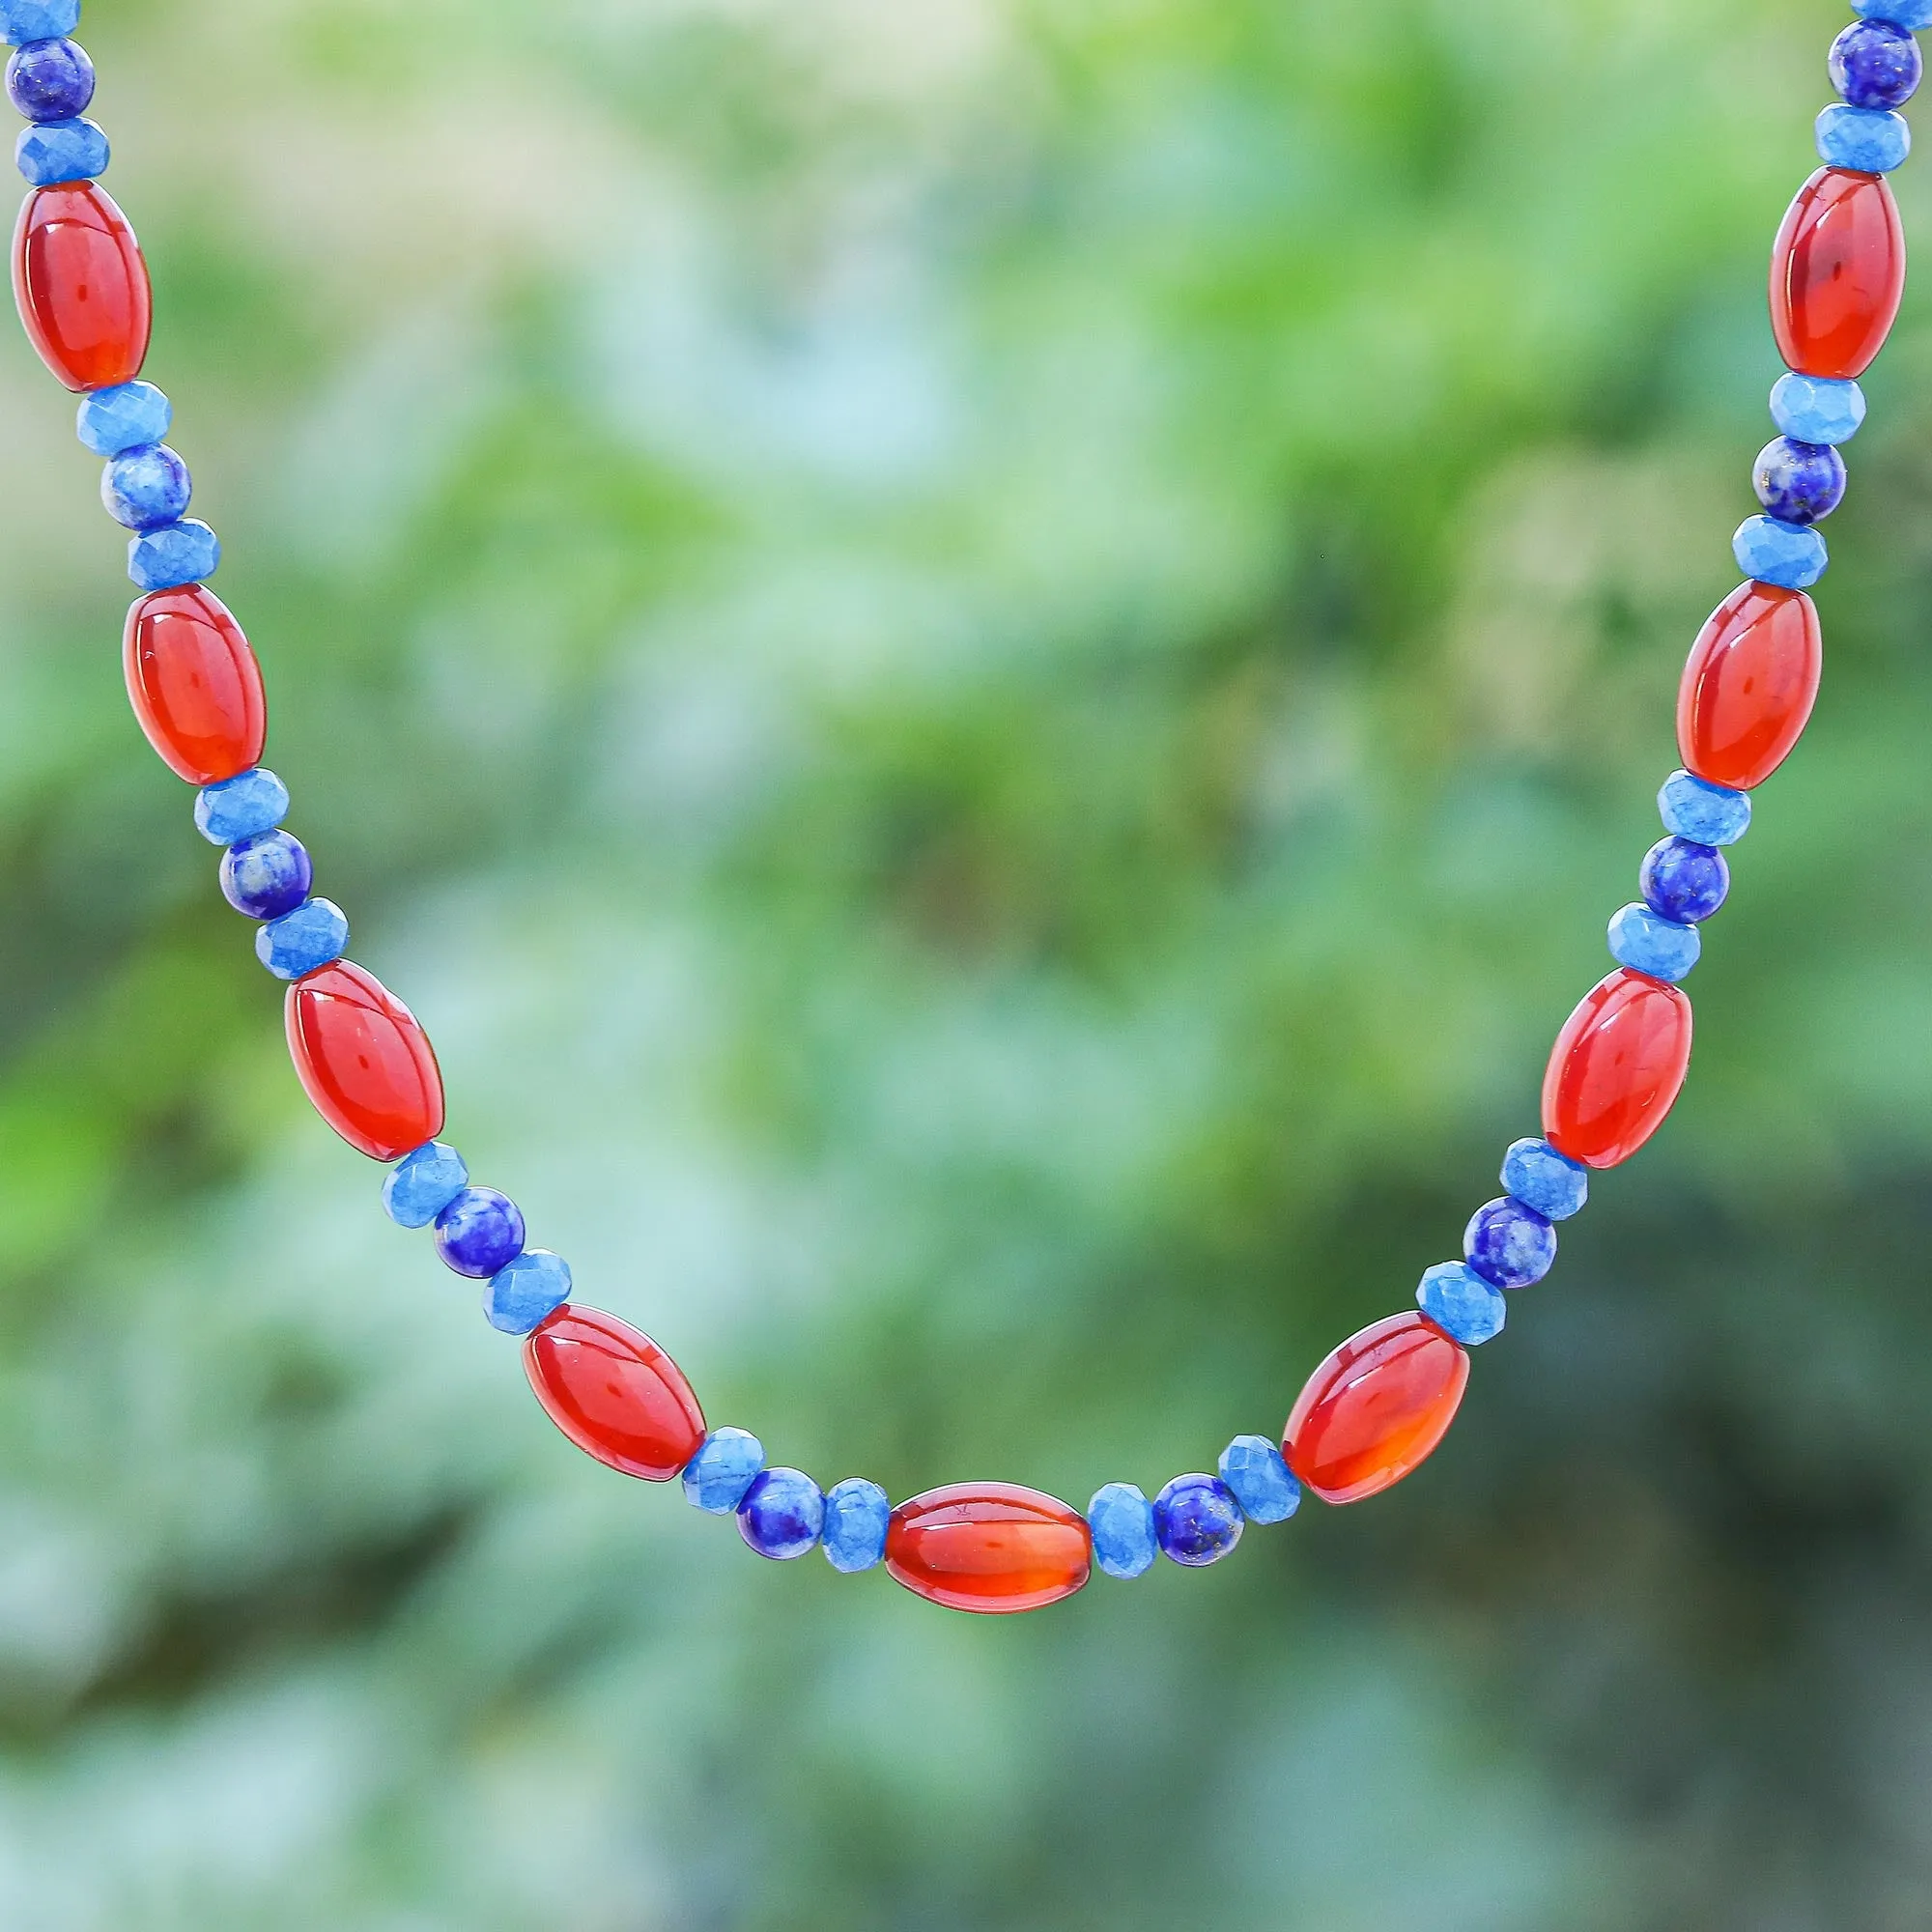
783 1513
1875 64
1197 1520
267 875
49 80
480 1232
1508 1243
145 487
1798 482
1683 880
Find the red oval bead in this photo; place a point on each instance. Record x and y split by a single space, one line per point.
1375 1408
1837 269
194 684
1749 686
81 285
364 1061
988 1546
614 1393
1615 1068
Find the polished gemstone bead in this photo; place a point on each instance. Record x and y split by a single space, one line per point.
1790 555
197 696
267 875
1541 1177
1122 1522
1837 269
238 808
988 1546
25 20
82 286
50 80
614 1393
718 1475
1616 1068
1798 482
1375 1408
1252 1467
1683 880
1508 1243
53 152
1854 137
424 1182
364 1061
1662 948
111 420
1197 1520
1460 1304
1874 63
145 487
856 1514
479 1231
1748 687
1812 409
183 553
523 1291
1706 813
783 1513
298 943
1911 14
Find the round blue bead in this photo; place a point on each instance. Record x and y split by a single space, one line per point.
1817 409
1791 556
117 418
145 487
1684 881
50 80
522 1293
1874 63
1647 944
238 808
53 152
1508 1243
176 553
857 1516
25 20
1868 139
1798 482
1460 1304
423 1184
303 940
727 1461
1911 14
267 875
1197 1520
1121 1519
1539 1178
1705 814
783 1513
480 1232
1251 1465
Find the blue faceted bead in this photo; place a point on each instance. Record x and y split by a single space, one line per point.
1251 1465
1911 14
176 553
480 1232
1702 812
238 808
423 1184
1817 409
726 1464
857 1517
1121 1519
50 80
1539 1178
523 1291
1798 482
1790 556
267 875
1646 944
24 20
1683 880
783 1513
113 419
145 487
1856 137
1874 63
299 941
1460 1304
52 151
1197 1520
1508 1243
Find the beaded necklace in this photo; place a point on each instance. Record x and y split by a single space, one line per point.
1379 1404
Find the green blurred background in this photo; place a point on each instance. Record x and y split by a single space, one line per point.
988 665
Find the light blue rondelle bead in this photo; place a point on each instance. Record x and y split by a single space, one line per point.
24 20
1867 138
1648 944
1121 1519
726 1462
1251 1465
241 807
1707 814
122 417
1541 1177
1791 556
1462 1304
423 1184
145 487
857 1517
303 940
1817 409
1911 14
176 553
519 1296
53 152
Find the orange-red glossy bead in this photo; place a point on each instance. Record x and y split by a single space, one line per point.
364 1061
1749 685
1837 271
988 1546
614 1393
81 285
194 684
1375 1408
1616 1068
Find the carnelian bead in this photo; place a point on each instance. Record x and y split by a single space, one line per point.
81 285
1837 269
1615 1068
614 1393
1375 1408
1749 686
988 1546
364 1061
194 684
